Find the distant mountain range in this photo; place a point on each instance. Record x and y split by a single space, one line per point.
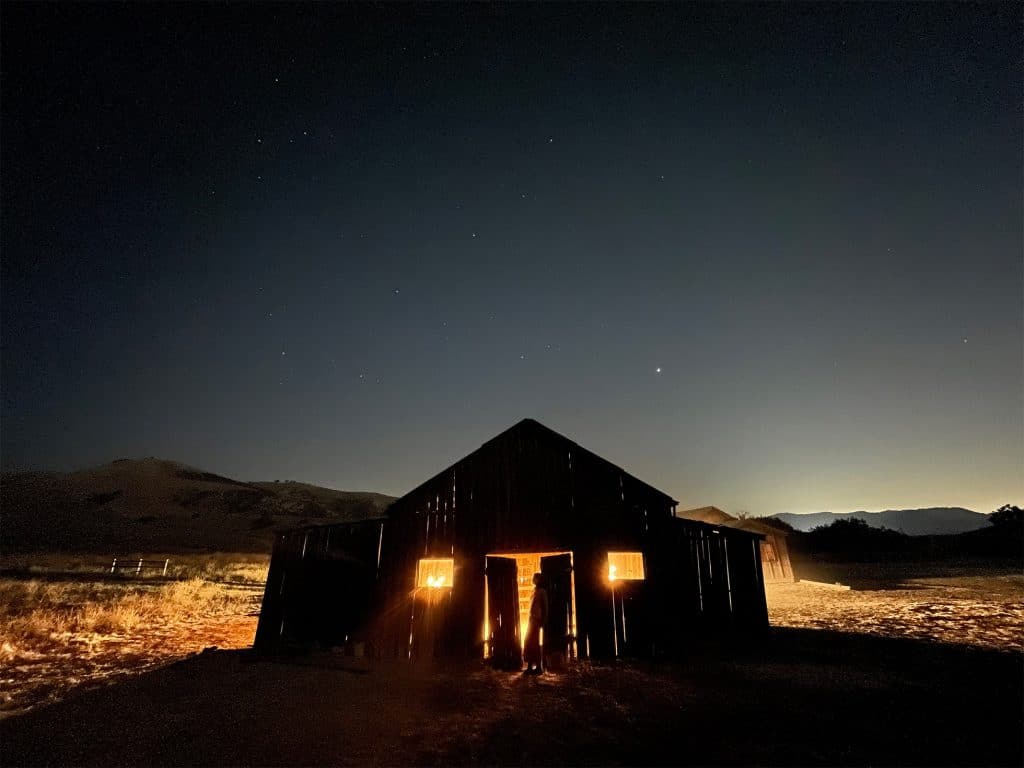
913 522
154 505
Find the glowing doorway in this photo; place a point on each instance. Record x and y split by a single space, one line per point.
514 600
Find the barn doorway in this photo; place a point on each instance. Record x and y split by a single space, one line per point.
508 590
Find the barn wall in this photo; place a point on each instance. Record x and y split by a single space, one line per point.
309 569
775 560
527 490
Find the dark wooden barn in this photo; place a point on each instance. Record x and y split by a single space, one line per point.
448 571
775 563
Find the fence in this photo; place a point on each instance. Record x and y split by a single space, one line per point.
138 564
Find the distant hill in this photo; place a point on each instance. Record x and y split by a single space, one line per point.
913 522
162 506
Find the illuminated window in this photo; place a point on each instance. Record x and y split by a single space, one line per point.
625 566
435 572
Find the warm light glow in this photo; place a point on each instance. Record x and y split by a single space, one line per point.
625 566
435 572
527 564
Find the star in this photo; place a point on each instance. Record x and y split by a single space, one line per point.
657 370
396 291
474 234
283 354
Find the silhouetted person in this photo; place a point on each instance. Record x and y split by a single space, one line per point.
538 618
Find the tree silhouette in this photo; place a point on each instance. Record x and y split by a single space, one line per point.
1008 516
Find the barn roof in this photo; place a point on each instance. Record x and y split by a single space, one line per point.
716 516
536 427
707 515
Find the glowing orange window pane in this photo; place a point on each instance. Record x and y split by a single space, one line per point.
625 566
435 572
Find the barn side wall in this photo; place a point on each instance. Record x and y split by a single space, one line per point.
321 585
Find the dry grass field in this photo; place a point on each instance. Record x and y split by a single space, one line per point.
66 625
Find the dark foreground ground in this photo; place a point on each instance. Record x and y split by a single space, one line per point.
796 697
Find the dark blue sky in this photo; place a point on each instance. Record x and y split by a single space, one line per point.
765 257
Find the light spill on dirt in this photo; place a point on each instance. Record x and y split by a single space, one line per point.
39 674
983 611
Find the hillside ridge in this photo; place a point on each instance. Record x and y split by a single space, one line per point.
153 504
924 521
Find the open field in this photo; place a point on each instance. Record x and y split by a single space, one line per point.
790 697
64 626
218 567
973 604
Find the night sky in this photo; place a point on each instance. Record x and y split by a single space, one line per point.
764 257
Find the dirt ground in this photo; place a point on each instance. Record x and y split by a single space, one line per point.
916 666
791 697
986 610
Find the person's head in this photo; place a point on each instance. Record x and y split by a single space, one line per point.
537 578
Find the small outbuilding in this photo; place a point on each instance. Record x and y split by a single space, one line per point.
775 562
448 570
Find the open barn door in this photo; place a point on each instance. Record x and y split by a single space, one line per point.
558 640
503 613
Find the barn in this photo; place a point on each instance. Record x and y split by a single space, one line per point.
448 570
775 563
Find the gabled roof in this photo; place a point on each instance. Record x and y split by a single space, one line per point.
707 515
717 517
536 426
